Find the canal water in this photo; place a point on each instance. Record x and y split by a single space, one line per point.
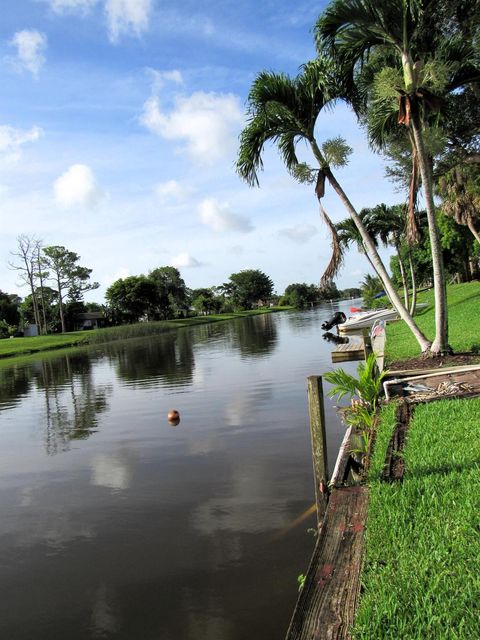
115 524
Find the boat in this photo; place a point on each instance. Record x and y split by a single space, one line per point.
366 319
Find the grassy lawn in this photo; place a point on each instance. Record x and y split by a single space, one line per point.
421 576
464 323
24 346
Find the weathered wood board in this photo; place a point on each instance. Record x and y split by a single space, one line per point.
327 603
346 352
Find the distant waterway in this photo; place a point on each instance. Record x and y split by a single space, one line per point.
116 524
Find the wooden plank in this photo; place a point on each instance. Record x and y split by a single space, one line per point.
348 352
403 373
316 410
378 346
471 377
339 473
326 606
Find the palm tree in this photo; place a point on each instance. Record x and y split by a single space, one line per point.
461 196
284 110
348 235
389 225
426 64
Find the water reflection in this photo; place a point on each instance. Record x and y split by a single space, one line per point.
256 336
168 358
15 383
113 471
73 401
332 337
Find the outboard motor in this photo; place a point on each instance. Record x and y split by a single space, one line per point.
338 318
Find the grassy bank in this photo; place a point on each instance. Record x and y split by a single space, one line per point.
10 348
421 575
464 323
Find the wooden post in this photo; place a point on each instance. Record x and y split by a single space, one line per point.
319 443
367 343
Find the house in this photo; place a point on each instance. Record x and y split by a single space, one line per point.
89 320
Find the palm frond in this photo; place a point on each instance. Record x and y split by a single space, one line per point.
336 258
336 151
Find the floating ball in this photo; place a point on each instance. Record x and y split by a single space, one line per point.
173 416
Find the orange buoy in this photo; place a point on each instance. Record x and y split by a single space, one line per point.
173 416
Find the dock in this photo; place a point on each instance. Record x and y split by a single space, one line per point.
353 350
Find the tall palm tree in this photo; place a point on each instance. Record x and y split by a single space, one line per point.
284 110
426 64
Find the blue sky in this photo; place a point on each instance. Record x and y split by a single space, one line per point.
119 125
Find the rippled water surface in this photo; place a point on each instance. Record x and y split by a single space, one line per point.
114 524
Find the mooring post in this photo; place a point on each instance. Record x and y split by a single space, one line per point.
316 409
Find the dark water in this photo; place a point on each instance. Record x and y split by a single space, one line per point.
114 524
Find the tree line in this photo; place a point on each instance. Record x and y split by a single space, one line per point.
57 282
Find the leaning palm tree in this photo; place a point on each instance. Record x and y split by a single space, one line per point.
284 111
425 65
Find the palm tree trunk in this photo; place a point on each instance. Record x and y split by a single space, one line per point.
440 344
379 266
473 230
414 285
404 280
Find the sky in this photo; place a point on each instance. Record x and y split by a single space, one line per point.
119 125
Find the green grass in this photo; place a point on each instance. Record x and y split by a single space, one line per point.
12 347
421 575
464 323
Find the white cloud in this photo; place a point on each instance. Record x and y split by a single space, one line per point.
77 186
300 233
30 45
60 6
11 140
208 123
218 216
172 190
159 78
124 16
184 259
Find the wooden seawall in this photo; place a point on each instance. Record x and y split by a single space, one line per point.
326 606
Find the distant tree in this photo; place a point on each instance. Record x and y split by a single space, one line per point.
69 278
9 313
205 301
171 300
300 295
329 292
26 264
131 299
350 292
50 303
248 287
